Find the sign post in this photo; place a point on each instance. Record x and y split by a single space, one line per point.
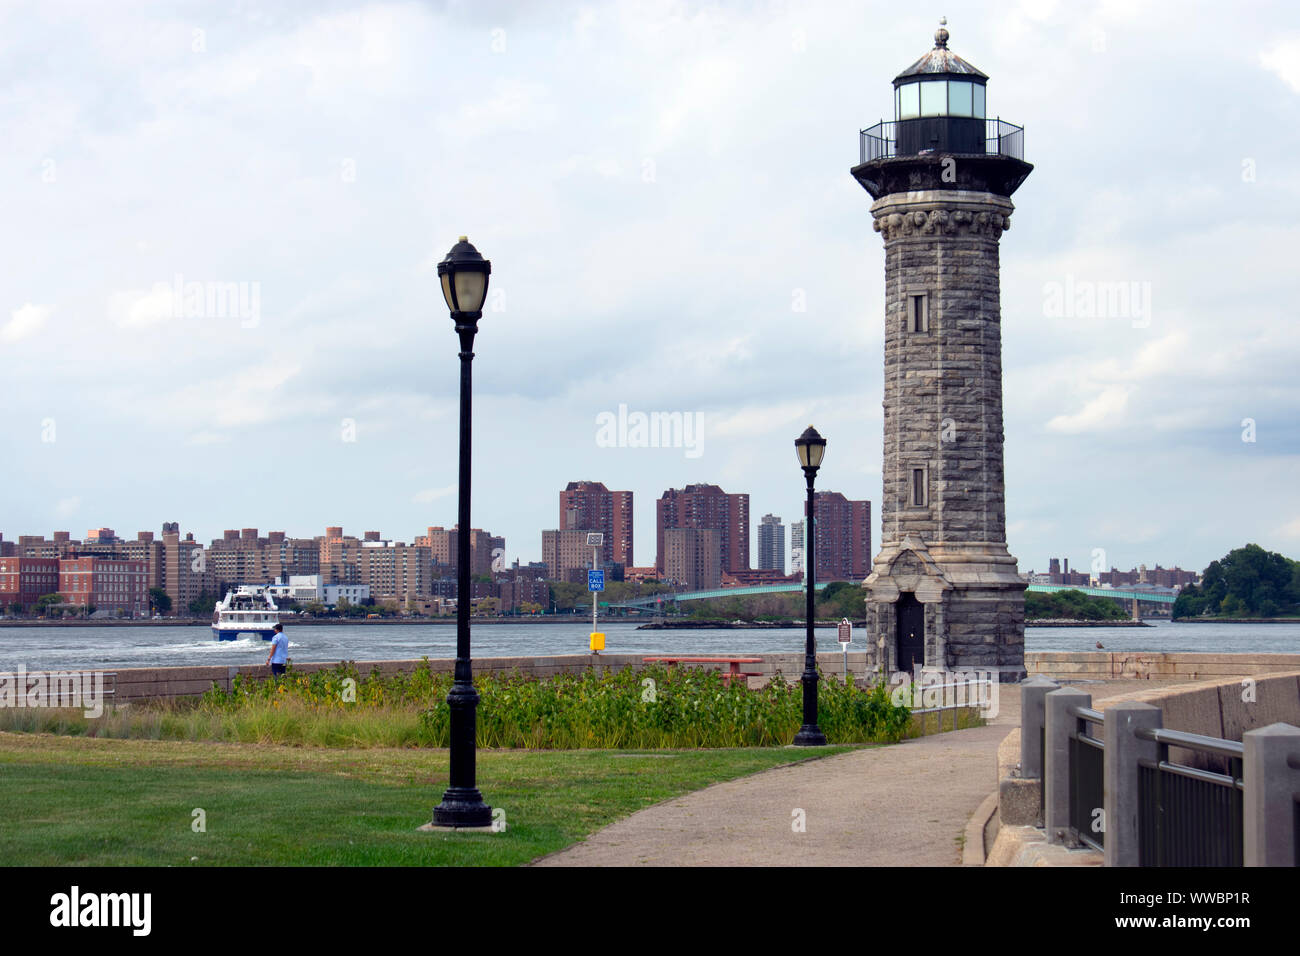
846 638
595 584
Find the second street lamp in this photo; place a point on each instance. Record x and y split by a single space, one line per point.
810 447
464 274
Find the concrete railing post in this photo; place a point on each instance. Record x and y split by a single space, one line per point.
1271 782
1032 715
1056 759
1123 751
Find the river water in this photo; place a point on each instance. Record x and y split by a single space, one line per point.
49 648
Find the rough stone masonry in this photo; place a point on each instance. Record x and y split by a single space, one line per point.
944 592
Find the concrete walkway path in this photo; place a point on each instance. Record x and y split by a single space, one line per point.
901 805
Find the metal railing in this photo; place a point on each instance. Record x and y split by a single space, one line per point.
1087 779
1000 139
980 702
1190 816
1216 802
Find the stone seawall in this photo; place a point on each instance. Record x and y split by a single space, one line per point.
1149 665
141 683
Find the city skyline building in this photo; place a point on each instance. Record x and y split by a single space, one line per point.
842 538
590 506
771 544
706 506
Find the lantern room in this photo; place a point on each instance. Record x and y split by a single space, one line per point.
939 103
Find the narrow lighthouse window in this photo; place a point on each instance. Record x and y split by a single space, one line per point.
917 309
918 487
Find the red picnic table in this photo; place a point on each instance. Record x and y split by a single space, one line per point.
733 663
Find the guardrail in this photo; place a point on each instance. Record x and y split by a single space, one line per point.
981 700
1000 139
1123 794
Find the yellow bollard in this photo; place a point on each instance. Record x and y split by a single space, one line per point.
597 641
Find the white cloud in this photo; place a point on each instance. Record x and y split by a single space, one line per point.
1284 60
24 321
433 494
136 308
1106 410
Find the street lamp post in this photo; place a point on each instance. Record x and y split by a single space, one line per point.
810 447
464 274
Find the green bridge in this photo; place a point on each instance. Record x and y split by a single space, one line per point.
650 601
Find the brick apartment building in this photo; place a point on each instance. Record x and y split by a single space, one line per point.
23 580
842 538
565 553
114 584
590 506
485 549
706 507
394 569
693 558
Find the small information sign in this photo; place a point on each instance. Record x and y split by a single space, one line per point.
595 580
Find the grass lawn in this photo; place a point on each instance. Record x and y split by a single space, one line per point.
100 802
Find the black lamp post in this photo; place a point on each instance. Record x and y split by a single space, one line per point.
811 447
464 275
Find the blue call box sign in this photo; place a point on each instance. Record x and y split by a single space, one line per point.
595 580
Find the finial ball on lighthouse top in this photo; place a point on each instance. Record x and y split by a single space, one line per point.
941 35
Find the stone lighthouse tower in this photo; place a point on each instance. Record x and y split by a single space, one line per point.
944 592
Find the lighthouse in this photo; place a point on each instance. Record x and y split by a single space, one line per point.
944 592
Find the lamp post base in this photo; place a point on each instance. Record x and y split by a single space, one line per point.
810 735
462 807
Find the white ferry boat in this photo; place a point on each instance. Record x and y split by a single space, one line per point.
247 611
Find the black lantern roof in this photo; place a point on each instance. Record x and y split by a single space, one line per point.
940 60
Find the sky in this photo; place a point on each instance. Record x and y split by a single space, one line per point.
222 225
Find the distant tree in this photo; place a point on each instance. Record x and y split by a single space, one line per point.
842 599
203 605
15 607
1246 582
46 602
314 608
1070 605
160 600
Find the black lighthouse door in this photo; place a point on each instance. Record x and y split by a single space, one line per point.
910 614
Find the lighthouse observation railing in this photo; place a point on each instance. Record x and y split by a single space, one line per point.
1000 139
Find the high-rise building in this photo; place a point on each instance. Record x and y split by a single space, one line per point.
486 550
338 557
706 506
692 558
186 574
843 538
771 544
394 569
590 506
565 551
796 547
